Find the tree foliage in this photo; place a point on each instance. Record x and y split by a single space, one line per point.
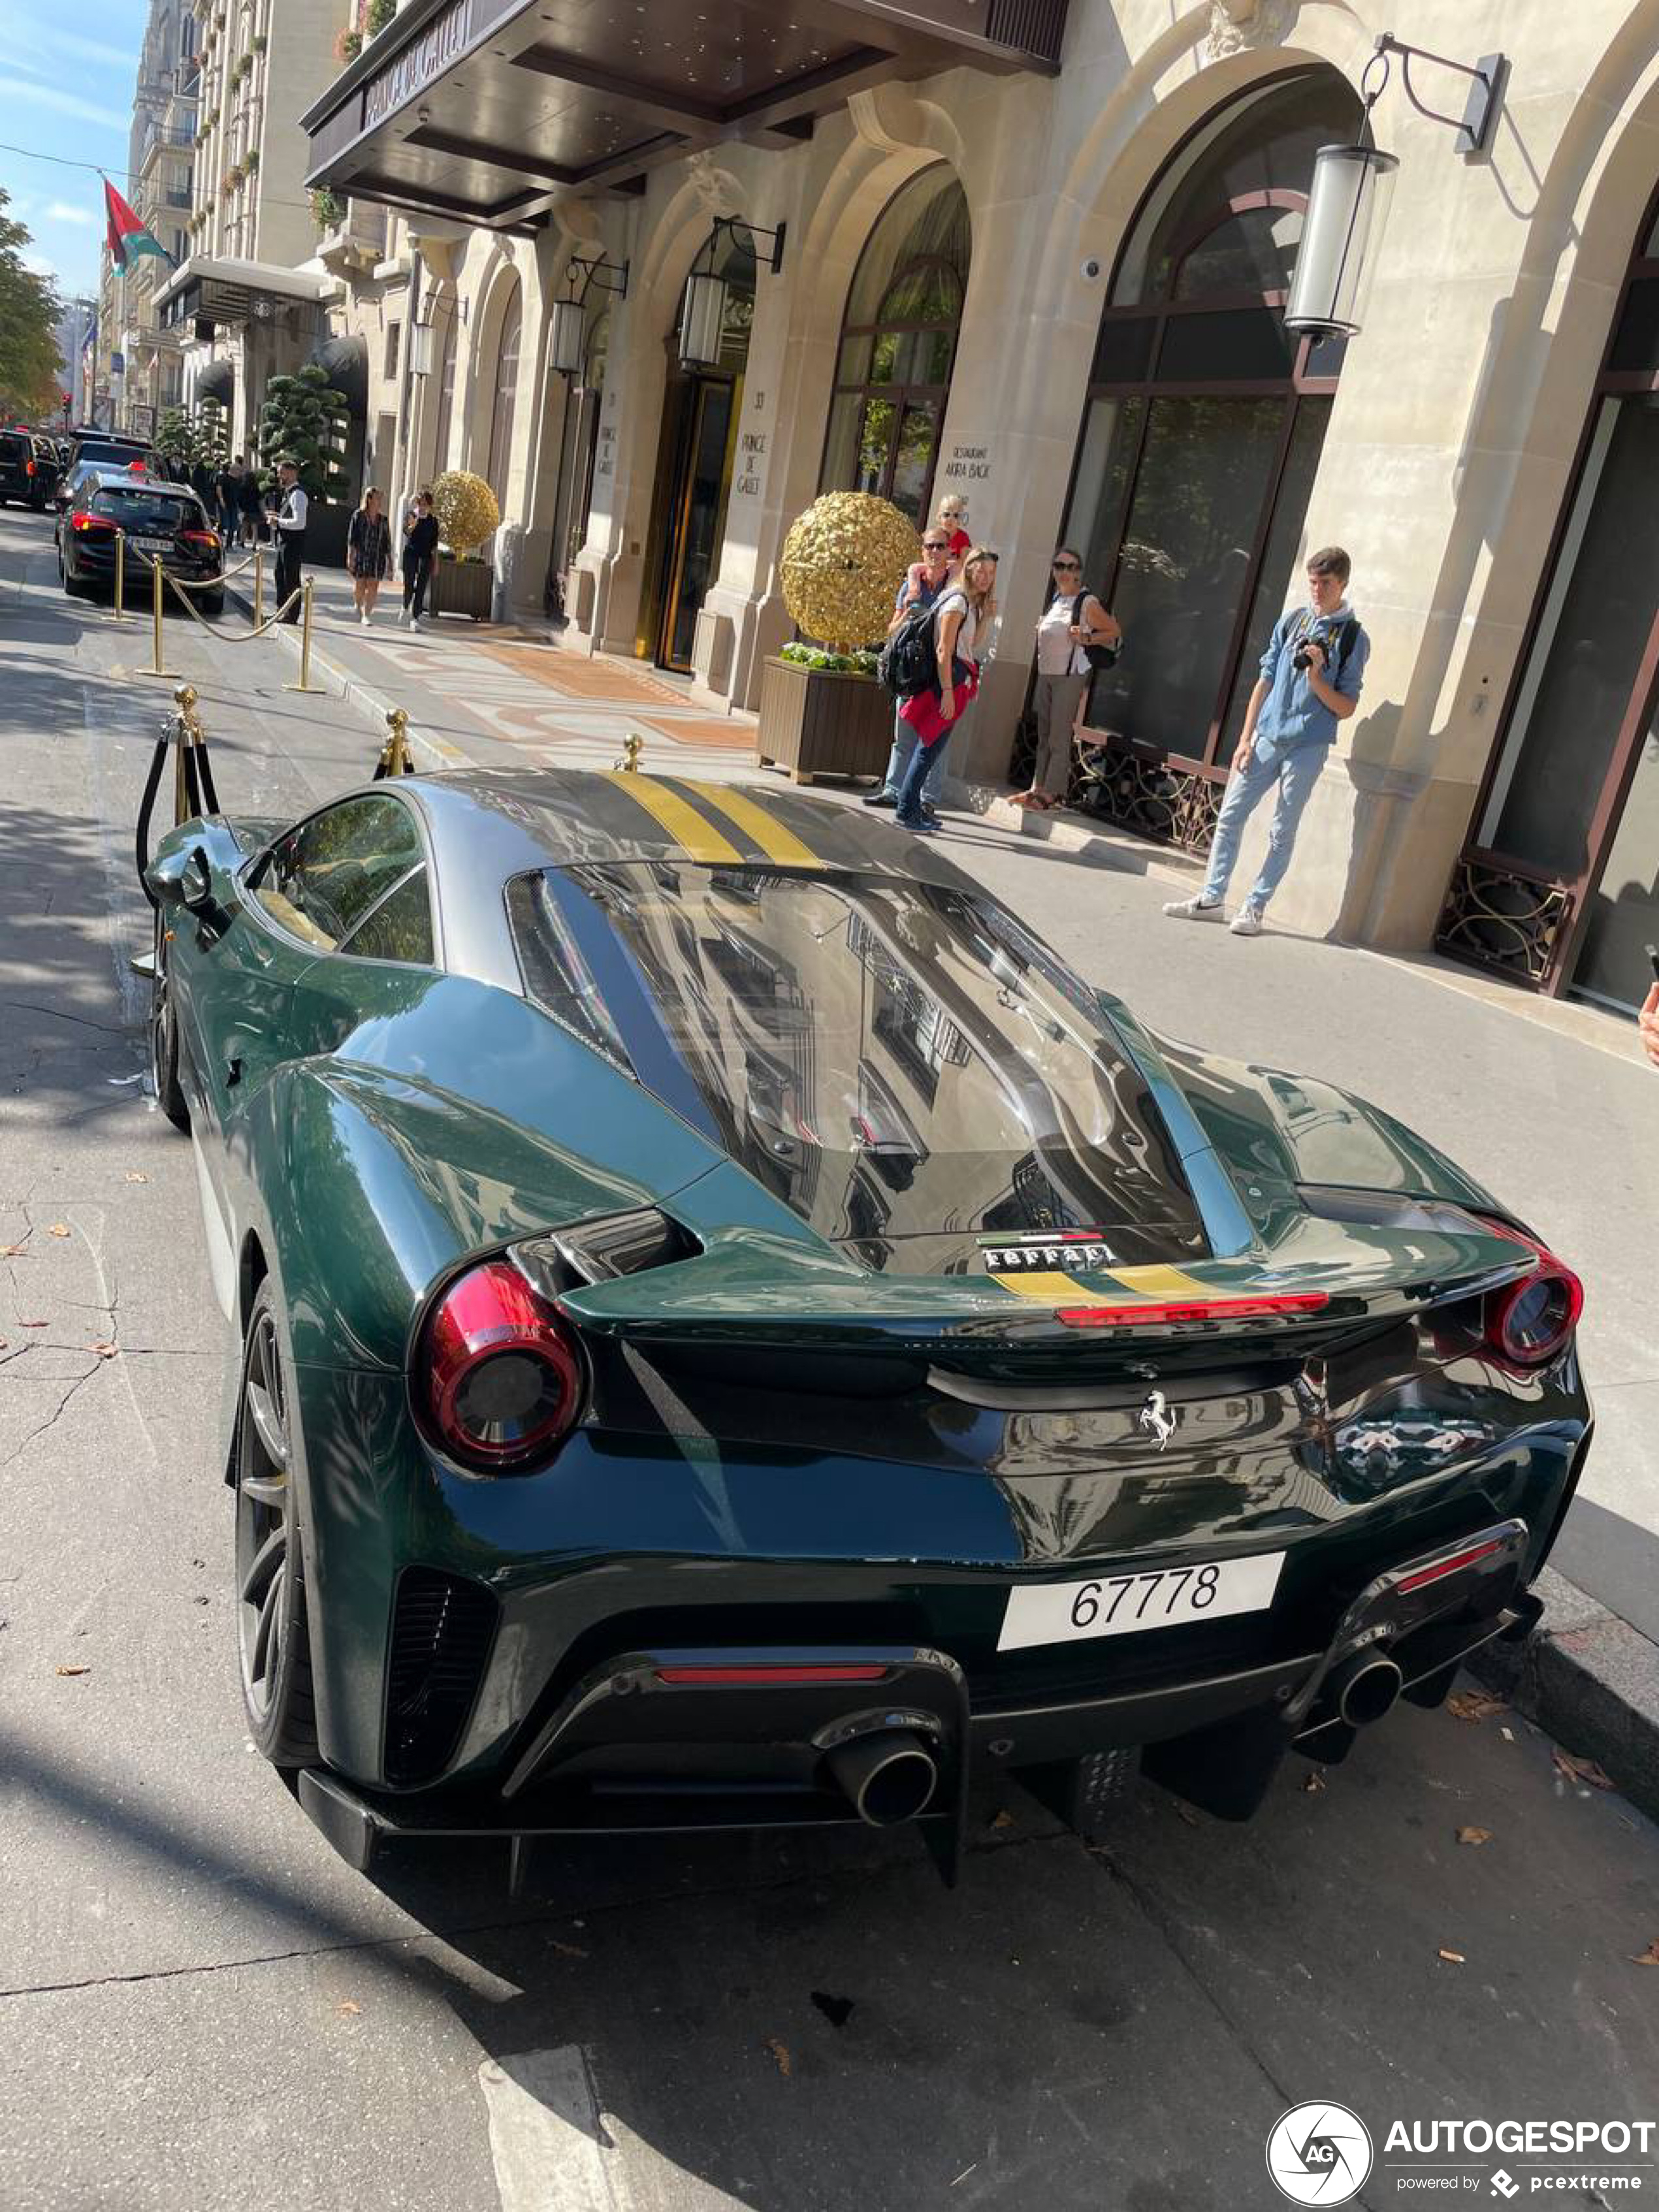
29 309
304 419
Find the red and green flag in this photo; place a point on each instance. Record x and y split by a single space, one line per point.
126 234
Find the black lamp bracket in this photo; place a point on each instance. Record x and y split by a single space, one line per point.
756 232
1489 76
604 274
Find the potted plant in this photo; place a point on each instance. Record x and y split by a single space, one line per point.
305 418
821 712
328 209
463 582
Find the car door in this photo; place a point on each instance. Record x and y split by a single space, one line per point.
298 902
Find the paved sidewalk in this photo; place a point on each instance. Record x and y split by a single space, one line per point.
469 685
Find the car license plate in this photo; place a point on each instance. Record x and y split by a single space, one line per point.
153 544
1121 1605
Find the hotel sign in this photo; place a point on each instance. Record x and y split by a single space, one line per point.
428 57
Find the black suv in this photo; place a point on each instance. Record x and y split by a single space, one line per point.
157 520
29 468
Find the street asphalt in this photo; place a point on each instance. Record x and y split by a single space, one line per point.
202 2007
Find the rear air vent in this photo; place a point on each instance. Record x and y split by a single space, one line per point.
597 1251
442 1632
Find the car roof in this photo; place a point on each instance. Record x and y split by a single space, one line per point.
523 818
123 479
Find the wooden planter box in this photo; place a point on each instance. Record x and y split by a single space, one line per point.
461 587
816 721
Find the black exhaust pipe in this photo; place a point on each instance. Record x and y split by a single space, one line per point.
888 1777
1364 1688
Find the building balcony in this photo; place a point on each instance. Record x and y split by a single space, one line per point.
474 109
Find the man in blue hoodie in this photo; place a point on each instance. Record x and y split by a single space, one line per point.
1310 677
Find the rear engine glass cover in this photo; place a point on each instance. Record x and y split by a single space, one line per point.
895 1061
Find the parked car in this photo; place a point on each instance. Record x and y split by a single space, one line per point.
28 469
160 520
112 449
735 1332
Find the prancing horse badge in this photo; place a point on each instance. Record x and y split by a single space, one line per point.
1157 1418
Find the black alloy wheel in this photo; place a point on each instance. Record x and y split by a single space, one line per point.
164 1038
272 1633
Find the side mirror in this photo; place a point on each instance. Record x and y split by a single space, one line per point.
195 884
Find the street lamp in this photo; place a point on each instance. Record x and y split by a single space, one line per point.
703 313
422 338
1348 202
567 343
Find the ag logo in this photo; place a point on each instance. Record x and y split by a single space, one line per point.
1319 2154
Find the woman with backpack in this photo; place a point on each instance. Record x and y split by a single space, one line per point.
964 616
1075 636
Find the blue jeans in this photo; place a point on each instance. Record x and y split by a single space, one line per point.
926 761
898 762
1295 774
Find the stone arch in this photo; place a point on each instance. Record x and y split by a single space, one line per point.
497 282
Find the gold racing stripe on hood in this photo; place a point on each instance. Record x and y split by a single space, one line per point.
775 841
1159 1282
1050 1289
697 837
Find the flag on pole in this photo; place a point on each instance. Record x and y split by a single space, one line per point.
126 235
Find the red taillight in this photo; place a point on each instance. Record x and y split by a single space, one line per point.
87 523
208 537
502 1380
1531 1322
29 468
1454 1566
770 1675
1147 1315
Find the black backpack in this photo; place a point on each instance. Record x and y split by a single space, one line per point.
908 662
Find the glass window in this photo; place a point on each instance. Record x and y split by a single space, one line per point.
507 388
1242 345
321 879
400 928
835 1026
1253 251
1636 344
157 512
1278 581
1184 567
1595 629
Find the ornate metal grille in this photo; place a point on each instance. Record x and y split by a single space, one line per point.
1498 917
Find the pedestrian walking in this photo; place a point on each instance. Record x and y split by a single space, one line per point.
369 553
290 523
1075 636
420 549
1310 677
963 617
925 579
251 499
228 488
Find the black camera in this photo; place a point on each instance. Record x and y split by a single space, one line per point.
1301 657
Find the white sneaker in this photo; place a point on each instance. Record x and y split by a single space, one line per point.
1247 923
1198 907
402 619
363 619
414 622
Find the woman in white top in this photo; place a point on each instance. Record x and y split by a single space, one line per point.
1073 620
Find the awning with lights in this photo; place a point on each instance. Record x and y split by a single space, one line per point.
486 110
219 288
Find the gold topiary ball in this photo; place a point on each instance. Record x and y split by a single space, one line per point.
465 508
843 562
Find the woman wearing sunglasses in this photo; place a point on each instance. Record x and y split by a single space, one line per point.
1074 626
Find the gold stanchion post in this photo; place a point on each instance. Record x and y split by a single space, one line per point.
633 746
157 669
258 583
120 575
396 745
305 683
183 736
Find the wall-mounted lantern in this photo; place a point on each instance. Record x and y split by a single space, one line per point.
567 326
1352 185
702 312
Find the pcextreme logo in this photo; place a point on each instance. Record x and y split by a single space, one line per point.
1319 2154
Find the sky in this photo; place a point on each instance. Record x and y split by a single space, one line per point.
67 93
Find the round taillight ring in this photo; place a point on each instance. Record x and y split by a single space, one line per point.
498 1374
1531 1322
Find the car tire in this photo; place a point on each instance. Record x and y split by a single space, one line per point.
213 607
75 587
164 1039
273 1632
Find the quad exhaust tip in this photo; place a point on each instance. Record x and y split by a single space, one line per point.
888 1778
1365 1688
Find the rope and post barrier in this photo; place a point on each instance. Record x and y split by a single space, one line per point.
305 683
157 667
258 585
193 791
394 753
120 573
633 746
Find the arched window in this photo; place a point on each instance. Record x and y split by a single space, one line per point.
1558 883
1200 441
506 385
898 342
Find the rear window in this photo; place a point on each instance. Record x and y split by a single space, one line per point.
12 447
880 1052
163 512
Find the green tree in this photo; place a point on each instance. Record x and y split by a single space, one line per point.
304 418
29 309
